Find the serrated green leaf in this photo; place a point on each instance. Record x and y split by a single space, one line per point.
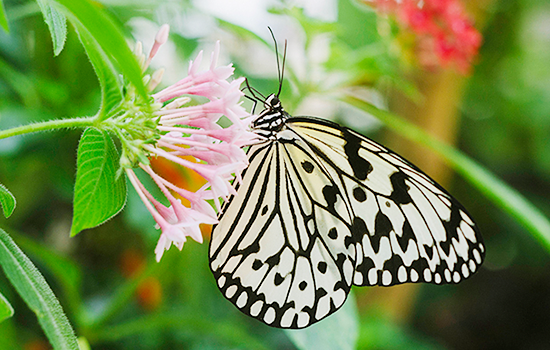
339 331
57 23
36 292
99 194
3 19
6 310
7 200
111 85
108 36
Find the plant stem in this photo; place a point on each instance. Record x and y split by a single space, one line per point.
48 125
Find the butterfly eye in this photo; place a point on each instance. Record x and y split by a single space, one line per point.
275 101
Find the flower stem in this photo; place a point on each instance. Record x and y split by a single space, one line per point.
48 125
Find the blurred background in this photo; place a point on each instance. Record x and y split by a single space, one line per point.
494 107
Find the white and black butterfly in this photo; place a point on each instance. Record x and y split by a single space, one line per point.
322 208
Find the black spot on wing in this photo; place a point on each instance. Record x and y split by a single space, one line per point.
360 166
322 267
333 233
251 249
278 279
330 192
406 237
257 264
400 193
302 285
382 228
319 293
358 229
359 194
273 260
308 167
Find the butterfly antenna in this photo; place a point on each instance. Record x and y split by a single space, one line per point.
282 70
252 91
277 56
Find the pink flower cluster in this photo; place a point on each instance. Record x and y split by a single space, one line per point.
445 33
194 131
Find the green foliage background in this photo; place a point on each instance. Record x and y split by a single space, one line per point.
505 125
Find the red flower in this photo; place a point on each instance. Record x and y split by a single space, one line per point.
444 31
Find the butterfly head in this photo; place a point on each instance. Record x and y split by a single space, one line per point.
271 119
273 103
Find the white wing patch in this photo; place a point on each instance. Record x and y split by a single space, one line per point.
322 208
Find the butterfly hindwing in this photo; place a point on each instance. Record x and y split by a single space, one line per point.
272 252
322 208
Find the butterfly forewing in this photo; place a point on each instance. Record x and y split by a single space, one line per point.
321 208
411 229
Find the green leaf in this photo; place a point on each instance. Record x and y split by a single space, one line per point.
57 23
7 200
111 85
339 331
109 37
34 290
486 182
99 194
3 19
6 310
67 274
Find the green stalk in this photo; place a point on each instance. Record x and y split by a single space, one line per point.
48 125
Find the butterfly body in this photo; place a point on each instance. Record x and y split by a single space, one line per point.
322 208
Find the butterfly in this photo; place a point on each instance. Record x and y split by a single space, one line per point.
321 208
